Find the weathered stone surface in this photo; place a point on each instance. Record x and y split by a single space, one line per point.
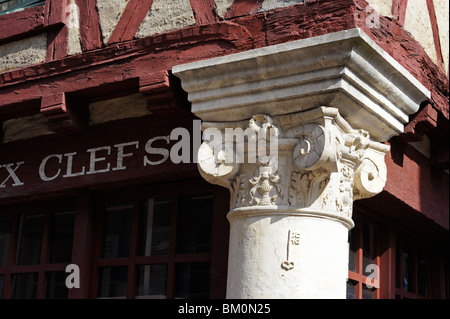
166 16
19 54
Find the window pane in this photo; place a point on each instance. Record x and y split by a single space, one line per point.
117 230
192 280
194 224
5 233
151 282
422 274
367 293
25 286
367 245
31 229
352 250
113 282
61 237
154 227
406 268
56 285
351 285
2 283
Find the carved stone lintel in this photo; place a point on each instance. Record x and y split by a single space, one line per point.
320 164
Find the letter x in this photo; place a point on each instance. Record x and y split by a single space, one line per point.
12 174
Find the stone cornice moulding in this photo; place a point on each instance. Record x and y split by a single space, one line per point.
345 70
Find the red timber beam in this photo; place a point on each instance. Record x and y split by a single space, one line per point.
399 10
129 22
243 8
65 114
56 14
90 33
90 76
204 11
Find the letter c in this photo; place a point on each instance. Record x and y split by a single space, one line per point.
42 174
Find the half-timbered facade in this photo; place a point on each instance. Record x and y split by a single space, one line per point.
108 164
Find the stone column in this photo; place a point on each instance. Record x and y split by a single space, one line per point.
291 208
330 102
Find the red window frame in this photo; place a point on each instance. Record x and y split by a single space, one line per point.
415 248
44 266
360 277
88 239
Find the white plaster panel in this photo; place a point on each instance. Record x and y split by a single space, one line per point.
274 4
166 15
222 6
74 44
118 108
383 7
23 53
25 128
441 7
109 12
417 22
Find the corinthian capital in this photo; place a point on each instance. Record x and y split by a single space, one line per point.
297 162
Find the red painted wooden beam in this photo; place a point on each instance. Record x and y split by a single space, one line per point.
436 38
90 33
65 115
129 22
243 7
55 13
19 24
399 10
204 11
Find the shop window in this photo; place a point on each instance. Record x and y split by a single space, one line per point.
412 270
147 242
157 247
9 6
363 275
34 251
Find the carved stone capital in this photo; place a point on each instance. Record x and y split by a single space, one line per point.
306 162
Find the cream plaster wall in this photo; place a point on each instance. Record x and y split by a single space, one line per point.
417 22
109 12
23 53
166 15
441 7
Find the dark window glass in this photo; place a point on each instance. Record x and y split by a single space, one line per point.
154 227
194 224
407 269
151 281
56 285
29 249
117 230
351 285
367 245
367 293
61 237
113 282
352 250
5 234
422 274
2 283
25 286
8 6
192 280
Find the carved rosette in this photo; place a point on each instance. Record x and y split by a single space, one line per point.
321 164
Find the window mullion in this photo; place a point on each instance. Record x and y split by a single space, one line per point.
43 258
170 291
131 286
11 258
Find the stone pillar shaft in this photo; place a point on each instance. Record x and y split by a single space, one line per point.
291 206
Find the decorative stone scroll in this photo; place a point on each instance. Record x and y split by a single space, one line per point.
320 163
